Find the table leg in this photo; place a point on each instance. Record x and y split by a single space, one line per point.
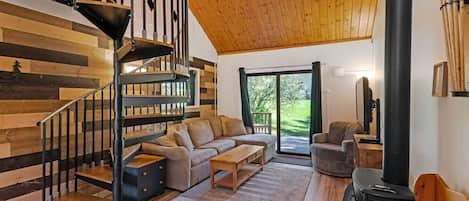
262 160
212 177
235 178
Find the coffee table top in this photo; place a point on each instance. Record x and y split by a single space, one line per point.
237 154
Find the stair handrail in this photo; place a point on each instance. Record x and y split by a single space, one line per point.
82 97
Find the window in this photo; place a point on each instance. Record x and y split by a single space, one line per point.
194 87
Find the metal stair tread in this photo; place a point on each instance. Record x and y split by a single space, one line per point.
142 100
137 120
143 49
111 18
79 197
152 77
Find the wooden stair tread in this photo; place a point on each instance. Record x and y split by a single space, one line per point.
143 160
143 49
111 18
98 173
79 197
142 135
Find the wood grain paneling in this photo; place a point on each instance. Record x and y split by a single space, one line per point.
253 25
59 59
27 52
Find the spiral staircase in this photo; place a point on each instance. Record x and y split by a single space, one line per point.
93 137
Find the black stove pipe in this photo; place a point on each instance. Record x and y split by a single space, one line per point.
397 91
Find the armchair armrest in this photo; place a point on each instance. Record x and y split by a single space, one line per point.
347 146
171 153
320 138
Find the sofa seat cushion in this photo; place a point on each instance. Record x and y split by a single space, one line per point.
327 151
256 139
199 156
221 145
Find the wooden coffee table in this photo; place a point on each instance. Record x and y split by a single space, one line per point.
238 162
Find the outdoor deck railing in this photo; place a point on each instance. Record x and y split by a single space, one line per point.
262 122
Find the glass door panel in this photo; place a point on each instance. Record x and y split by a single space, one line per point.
295 113
262 96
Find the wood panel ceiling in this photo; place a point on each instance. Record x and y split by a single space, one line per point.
236 26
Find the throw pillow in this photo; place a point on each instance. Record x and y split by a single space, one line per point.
215 123
200 132
183 139
232 127
173 128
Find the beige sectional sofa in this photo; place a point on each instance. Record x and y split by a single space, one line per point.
188 147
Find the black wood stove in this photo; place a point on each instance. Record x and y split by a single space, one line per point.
391 183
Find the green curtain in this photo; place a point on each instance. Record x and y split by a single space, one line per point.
316 99
245 107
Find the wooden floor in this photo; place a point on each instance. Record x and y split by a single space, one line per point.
321 188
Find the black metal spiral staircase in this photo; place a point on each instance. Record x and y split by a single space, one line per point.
93 137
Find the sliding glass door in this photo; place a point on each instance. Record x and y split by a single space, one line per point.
295 113
282 101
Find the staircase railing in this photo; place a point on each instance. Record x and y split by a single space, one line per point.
81 133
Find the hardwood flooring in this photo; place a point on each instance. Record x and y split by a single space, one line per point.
326 188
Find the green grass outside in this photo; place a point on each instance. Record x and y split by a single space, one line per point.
295 119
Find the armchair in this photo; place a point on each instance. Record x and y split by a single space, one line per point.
332 153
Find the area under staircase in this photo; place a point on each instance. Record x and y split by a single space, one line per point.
92 138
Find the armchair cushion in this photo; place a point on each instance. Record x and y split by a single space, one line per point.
337 132
199 156
320 138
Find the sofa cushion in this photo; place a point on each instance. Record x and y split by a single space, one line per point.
215 123
199 156
200 132
221 145
232 127
170 140
256 139
337 132
183 139
166 141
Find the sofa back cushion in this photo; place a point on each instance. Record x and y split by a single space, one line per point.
215 123
200 131
337 132
232 127
183 139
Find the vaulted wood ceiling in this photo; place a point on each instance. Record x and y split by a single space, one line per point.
236 26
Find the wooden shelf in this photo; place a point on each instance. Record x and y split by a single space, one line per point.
243 175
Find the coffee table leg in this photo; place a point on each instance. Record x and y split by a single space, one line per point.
235 179
262 160
212 177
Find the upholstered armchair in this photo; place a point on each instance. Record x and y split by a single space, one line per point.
332 153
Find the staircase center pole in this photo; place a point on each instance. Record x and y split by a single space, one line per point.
118 173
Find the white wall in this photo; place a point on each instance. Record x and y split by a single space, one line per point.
338 92
199 44
439 129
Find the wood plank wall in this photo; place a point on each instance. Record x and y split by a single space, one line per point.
60 60
208 89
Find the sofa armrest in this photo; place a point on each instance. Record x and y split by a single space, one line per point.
171 153
320 138
178 164
347 146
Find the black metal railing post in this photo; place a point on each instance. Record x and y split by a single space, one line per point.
117 185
